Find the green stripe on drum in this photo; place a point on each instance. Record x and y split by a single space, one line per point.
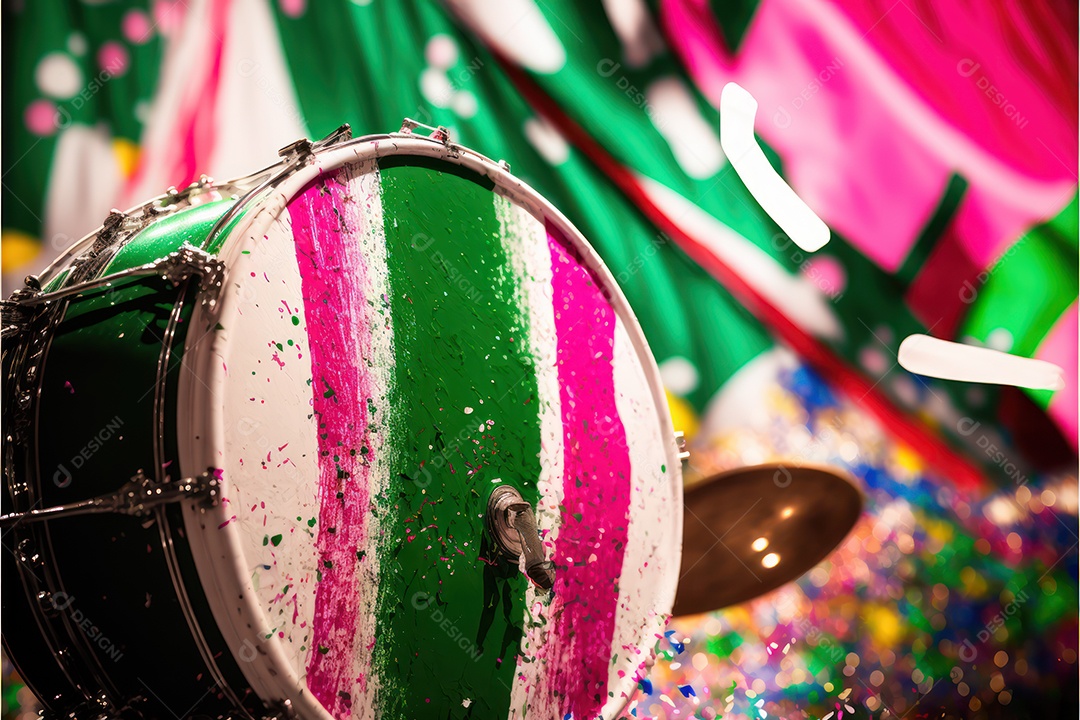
464 419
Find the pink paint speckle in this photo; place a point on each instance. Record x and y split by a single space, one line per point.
113 58
293 8
136 27
41 118
168 14
826 272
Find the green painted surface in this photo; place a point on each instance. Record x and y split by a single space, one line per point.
189 225
449 620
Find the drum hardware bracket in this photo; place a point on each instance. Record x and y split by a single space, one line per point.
513 524
136 498
294 155
175 267
439 134
14 316
302 148
680 443
108 231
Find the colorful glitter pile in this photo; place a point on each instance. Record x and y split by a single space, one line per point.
936 605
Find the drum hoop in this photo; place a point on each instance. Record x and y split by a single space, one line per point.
200 368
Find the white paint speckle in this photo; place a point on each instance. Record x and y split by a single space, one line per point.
57 75
679 375
76 44
465 104
547 140
674 112
1000 339
441 51
436 87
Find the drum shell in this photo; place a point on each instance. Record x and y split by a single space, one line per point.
93 425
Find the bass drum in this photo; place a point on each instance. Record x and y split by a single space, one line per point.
444 479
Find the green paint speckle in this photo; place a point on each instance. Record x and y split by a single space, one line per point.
295 321
276 540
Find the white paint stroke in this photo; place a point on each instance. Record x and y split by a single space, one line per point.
737 111
925 355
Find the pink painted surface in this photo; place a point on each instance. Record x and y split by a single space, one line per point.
596 490
892 113
1060 348
337 319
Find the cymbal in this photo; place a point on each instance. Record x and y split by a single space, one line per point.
750 530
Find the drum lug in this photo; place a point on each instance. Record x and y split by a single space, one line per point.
14 316
513 524
680 443
137 497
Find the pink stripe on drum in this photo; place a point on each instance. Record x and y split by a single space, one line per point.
338 320
596 489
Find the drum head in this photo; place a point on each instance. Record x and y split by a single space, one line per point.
404 327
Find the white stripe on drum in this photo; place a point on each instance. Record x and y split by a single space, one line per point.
644 565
